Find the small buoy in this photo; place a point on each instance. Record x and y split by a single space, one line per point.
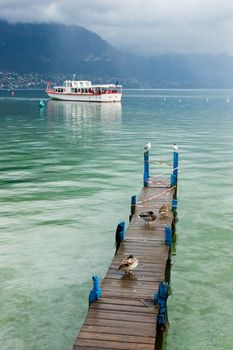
164 98
41 104
207 99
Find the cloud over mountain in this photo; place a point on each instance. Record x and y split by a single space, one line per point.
147 27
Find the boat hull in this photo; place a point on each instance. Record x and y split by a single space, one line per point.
112 97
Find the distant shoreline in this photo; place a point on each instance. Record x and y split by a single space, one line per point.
126 89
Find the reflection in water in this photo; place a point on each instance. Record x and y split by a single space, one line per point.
74 112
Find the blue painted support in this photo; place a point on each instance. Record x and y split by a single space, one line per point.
174 204
96 291
41 104
174 175
120 235
168 236
120 232
133 207
146 165
173 180
160 298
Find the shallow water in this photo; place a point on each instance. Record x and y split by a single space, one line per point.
67 175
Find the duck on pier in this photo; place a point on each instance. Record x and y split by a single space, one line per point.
128 264
164 210
148 216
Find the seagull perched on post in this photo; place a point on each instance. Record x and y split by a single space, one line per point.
164 210
148 216
128 264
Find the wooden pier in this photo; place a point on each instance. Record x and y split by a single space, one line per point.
130 311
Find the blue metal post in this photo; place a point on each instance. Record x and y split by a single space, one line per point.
146 165
174 204
120 232
174 175
96 291
168 236
120 235
133 207
160 299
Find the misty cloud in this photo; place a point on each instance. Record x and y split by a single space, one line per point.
146 27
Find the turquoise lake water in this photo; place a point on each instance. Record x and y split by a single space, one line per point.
67 175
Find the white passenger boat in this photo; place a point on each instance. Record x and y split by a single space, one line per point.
83 90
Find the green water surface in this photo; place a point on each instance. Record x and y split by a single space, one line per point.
67 174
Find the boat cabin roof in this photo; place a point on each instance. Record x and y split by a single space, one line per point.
77 83
86 84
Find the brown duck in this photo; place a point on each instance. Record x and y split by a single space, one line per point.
128 264
164 210
148 216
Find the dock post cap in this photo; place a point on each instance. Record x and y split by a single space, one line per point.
147 147
120 232
132 207
133 200
96 291
168 236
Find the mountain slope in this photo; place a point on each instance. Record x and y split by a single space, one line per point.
56 48
49 47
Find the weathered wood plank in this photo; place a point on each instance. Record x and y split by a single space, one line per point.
139 294
110 345
116 337
124 316
142 332
125 301
149 327
124 308
139 277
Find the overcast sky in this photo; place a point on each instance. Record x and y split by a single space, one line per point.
145 27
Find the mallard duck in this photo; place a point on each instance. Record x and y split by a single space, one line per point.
164 210
128 264
148 216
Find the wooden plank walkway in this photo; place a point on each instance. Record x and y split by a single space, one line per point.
125 315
